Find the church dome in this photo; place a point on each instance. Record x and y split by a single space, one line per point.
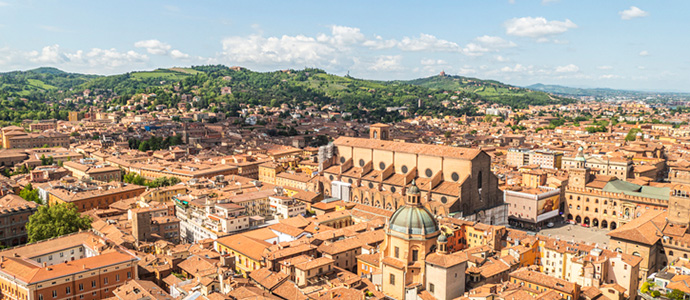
580 154
413 220
442 238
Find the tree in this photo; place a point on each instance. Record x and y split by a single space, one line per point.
30 194
144 146
55 220
632 134
676 294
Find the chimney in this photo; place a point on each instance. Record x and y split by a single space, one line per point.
45 264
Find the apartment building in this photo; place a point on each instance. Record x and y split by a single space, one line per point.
76 266
14 214
94 170
88 195
14 137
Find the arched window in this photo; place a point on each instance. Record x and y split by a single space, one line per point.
586 208
479 180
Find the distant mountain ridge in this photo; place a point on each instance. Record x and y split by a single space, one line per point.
597 92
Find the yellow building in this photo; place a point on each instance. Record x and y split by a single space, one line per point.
246 252
537 283
163 194
268 172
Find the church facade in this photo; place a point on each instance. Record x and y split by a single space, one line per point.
453 181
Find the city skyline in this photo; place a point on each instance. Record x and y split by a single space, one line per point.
626 45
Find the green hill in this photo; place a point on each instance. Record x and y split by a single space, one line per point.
364 99
39 81
490 90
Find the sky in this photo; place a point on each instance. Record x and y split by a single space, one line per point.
640 45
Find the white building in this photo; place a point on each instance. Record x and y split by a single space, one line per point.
284 207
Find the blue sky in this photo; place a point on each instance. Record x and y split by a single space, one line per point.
618 44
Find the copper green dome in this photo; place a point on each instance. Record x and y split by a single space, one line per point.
580 154
413 189
413 220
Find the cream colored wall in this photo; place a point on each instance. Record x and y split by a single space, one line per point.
345 151
425 162
396 290
382 156
361 153
404 159
462 167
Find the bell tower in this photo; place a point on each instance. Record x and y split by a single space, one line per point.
679 205
379 131
579 176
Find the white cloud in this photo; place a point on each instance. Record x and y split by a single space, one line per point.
571 68
157 47
632 13
500 58
473 49
486 43
609 76
641 67
516 69
387 63
177 54
343 35
494 42
604 67
378 43
644 53
432 62
545 2
3 3
427 42
48 55
537 27
154 47
298 49
108 58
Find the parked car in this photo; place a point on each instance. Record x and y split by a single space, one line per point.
550 225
